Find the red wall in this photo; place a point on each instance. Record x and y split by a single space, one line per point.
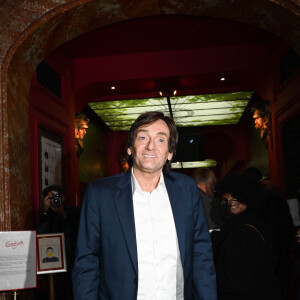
57 116
227 144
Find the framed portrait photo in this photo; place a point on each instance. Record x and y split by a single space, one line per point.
51 164
51 254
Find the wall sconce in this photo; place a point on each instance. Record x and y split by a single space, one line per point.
81 125
262 120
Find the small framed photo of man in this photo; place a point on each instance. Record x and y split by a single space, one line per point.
51 257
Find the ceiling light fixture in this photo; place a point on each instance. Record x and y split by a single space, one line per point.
188 111
112 87
194 164
167 90
222 78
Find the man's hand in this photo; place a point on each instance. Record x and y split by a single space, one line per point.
46 203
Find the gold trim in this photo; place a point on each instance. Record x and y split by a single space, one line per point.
257 231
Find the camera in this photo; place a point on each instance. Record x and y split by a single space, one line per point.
55 200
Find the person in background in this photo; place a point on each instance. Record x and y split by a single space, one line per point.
246 251
254 172
56 217
143 233
206 180
280 220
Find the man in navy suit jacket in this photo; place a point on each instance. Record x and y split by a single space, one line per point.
143 233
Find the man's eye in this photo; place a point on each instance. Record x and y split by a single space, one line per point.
142 138
161 140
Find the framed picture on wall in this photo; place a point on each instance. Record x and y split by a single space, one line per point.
50 159
51 254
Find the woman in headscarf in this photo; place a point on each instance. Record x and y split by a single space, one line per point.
245 250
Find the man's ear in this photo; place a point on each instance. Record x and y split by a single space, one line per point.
128 151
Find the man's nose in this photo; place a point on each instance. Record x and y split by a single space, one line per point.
151 144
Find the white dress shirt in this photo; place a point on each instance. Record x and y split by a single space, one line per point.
160 274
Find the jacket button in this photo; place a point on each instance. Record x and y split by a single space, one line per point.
135 280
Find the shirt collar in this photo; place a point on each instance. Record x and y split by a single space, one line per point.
136 187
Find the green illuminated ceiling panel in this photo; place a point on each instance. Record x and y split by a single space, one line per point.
208 163
188 111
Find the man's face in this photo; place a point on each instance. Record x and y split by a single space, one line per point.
81 133
50 252
150 149
258 122
234 205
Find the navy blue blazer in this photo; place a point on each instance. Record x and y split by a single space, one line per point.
106 256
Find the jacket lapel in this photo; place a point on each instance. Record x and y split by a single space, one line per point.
124 205
177 204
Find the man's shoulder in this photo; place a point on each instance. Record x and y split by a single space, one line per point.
179 179
205 197
50 259
176 176
111 181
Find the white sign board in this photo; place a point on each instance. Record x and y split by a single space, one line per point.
17 260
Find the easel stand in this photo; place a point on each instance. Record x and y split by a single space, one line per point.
14 294
51 287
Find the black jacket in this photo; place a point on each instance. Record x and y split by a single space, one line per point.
246 254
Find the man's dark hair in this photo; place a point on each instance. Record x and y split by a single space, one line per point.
201 175
262 107
148 118
51 188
